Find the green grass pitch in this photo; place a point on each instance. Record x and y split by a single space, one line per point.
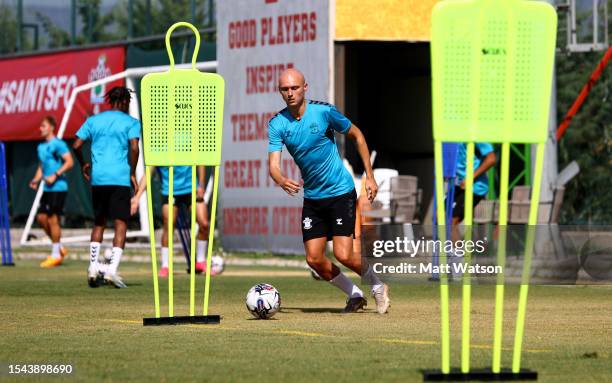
51 316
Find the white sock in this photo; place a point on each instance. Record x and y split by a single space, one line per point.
117 252
201 247
342 282
55 251
94 250
372 279
164 257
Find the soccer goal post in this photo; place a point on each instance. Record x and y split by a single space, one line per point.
130 75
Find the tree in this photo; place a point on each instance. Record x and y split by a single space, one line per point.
155 17
57 36
588 140
95 25
8 29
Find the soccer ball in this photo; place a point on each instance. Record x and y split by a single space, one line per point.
263 301
108 255
103 265
217 265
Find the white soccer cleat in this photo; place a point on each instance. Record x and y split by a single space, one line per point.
114 280
92 275
381 296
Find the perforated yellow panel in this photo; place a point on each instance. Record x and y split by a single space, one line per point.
206 120
182 118
492 65
159 119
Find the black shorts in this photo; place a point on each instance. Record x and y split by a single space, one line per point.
52 203
329 217
110 202
459 203
183 199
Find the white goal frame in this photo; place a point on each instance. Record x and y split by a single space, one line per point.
129 75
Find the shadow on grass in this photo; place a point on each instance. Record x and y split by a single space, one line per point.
312 309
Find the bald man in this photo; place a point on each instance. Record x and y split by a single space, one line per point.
306 128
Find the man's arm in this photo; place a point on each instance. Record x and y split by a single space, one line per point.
142 187
78 150
37 177
290 186
486 164
67 164
362 148
134 151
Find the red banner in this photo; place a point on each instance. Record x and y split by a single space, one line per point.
34 87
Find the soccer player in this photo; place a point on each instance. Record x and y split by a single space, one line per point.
54 161
114 139
484 159
182 197
306 128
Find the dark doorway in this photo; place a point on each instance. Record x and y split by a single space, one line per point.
387 94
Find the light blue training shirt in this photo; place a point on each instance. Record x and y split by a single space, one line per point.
110 132
312 144
50 156
481 183
182 180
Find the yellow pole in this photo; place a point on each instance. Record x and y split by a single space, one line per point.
444 309
152 240
501 257
170 245
193 242
211 235
532 222
467 288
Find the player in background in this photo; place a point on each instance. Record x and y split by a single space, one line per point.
54 161
307 129
182 197
114 139
484 159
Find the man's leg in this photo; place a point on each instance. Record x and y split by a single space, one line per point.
163 272
42 220
315 256
118 200
120 233
100 202
55 234
95 243
343 251
202 239
111 276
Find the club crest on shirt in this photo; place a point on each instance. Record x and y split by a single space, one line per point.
339 221
314 128
307 223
